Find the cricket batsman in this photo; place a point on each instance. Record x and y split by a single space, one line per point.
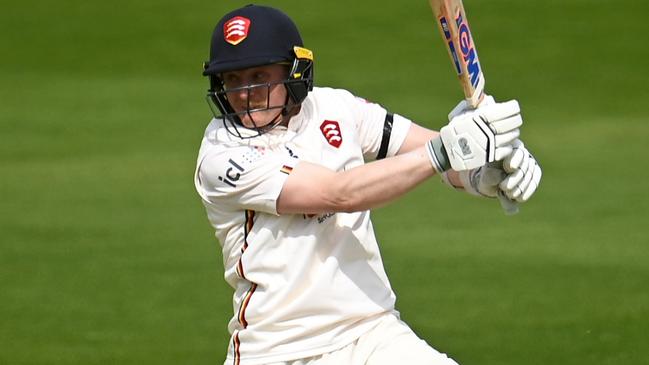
288 174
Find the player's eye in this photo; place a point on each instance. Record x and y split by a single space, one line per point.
260 77
230 80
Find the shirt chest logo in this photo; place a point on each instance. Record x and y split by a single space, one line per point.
331 131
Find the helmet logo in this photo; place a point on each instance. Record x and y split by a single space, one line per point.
236 30
331 131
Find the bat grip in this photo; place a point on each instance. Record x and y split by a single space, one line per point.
509 206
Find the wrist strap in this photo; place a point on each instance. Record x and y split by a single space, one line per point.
437 155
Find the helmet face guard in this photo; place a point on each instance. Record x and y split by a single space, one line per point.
254 36
298 84
221 108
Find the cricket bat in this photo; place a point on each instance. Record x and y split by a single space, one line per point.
454 28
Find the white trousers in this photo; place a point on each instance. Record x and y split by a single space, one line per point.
391 342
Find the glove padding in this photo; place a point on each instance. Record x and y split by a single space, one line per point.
476 137
517 176
524 174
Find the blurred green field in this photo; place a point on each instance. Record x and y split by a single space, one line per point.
106 256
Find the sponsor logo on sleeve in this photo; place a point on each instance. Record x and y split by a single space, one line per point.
232 174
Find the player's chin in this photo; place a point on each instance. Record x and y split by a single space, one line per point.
258 119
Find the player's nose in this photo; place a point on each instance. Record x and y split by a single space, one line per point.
242 94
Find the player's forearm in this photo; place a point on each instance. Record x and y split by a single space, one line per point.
380 182
313 189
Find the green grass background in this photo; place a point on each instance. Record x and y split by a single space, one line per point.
106 256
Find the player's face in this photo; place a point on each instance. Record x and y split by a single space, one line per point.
267 92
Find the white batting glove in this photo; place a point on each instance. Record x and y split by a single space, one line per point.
484 180
524 174
517 176
476 137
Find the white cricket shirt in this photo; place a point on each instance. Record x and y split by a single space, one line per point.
303 285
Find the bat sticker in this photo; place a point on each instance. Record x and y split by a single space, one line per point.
451 46
469 55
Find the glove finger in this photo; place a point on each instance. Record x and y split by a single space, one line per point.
525 196
528 176
528 171
507 124
500 111
525 161
512 181
533 185
502 152
513 193
518 144
512 162
507 138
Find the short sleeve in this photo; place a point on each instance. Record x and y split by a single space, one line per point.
380 132
244 178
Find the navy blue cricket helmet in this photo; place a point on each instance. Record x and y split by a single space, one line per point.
255 36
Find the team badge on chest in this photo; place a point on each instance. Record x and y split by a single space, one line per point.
331 132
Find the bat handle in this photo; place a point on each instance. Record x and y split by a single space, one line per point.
509 206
